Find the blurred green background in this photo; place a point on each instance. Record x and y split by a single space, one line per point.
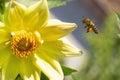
101 60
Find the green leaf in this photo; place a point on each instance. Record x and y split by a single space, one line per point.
74 77
118 19
56 3
18 78
2 6
118 22
2 9
118 15
44 77
67 70
119 35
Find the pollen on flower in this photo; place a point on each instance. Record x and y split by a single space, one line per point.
24 43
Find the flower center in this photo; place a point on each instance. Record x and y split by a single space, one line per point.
24 43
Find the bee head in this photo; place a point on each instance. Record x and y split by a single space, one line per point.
86 20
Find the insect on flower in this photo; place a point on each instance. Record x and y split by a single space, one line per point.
89 24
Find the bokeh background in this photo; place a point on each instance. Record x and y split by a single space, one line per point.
101 52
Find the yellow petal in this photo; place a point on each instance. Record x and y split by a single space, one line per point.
37 15
68 49
5 53
55 64
14 16
18 16
10 69
27 68
59 48
49 70
34 76
1 24
56 29
5 35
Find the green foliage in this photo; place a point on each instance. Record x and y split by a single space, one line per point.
67 70
18 78
74 77
51 3
118 21
2 6
104 53
119 35
44 77
56 3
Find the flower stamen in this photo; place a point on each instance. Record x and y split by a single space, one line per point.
24 43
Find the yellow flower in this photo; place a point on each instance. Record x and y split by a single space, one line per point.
30 43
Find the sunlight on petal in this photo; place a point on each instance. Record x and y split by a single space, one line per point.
56 29
47 69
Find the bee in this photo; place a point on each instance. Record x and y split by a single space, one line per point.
89 24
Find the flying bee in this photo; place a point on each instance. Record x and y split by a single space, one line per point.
89 24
